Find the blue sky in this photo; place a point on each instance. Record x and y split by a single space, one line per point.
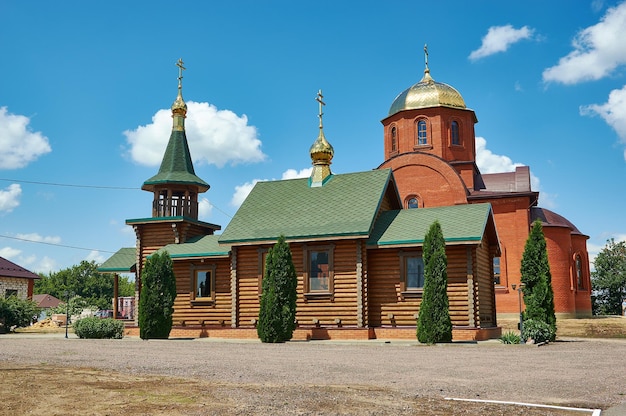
86 87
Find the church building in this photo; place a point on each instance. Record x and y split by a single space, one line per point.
356 238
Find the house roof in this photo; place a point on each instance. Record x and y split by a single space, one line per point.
202 246
10 269
346 205
121 262
46 301
459 224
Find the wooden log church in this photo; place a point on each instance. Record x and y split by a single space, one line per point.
356 238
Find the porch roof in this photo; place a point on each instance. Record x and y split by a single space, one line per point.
123 261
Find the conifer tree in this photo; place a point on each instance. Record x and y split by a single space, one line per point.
537 281
434 324
277 312
156 302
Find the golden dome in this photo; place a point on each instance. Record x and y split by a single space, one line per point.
427 93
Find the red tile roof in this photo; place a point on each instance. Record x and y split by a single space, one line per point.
46 301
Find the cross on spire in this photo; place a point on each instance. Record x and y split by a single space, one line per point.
180 66
321 103
426 54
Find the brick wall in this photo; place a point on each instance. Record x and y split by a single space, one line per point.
12 283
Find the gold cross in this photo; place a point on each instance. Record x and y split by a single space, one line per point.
319 100
426 54
180 66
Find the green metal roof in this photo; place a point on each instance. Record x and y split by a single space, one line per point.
459 223
121 262
176 166
202 246
346 205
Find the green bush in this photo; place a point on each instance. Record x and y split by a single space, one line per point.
96 328
156 301
17 312
538 331
510 338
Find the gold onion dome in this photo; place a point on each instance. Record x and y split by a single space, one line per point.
321 150
427 93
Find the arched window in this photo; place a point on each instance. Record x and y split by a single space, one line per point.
422 134
579 272
394 139
412 202
454 133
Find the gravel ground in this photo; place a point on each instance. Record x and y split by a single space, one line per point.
575 372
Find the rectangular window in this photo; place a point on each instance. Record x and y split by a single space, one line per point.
203 283
496 271
411 273
422 136
318 279
10 292
262 257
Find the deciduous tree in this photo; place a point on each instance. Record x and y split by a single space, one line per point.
608 280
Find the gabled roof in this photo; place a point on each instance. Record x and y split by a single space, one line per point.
345 206
121 262
10 269
201 246
46 301
176 167
460 224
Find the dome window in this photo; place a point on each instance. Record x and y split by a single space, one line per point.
454 133
412 202
394 139
422 134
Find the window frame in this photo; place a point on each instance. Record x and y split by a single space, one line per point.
420 133
454 142
306 253
195 270
261 258
394 139
408 292
407 202
497 276
579 272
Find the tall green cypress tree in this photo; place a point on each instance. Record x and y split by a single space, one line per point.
277 312
434 324
156 302
537 280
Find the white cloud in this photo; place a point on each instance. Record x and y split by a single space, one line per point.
45 265
205 208
9 252
613 112
242 191
39 239
598 50
10 197
499 38
215 136
18 145
96 256
489 162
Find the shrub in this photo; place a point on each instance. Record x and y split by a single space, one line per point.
278 301
156 300
510 338
538 331
17 312
97 328
434 324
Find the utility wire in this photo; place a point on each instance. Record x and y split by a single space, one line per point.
55 244
68 185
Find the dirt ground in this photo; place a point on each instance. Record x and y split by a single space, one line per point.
45 374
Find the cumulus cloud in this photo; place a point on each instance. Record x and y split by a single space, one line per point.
613 112
598 50
9 252
499 38
45 265
10 197
242 191
205 208
18 144
95 255
34 237
489 162
215 137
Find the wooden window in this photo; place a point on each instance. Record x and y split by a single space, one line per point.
262 257
580 281
411 273
496 271
422 134
203 283
318 271
454 133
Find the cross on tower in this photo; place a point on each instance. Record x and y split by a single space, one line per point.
426 54
180 66
322 103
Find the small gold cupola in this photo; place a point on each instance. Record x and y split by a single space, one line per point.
321 152
179 107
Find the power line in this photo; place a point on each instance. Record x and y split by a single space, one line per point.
55 244
68 184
